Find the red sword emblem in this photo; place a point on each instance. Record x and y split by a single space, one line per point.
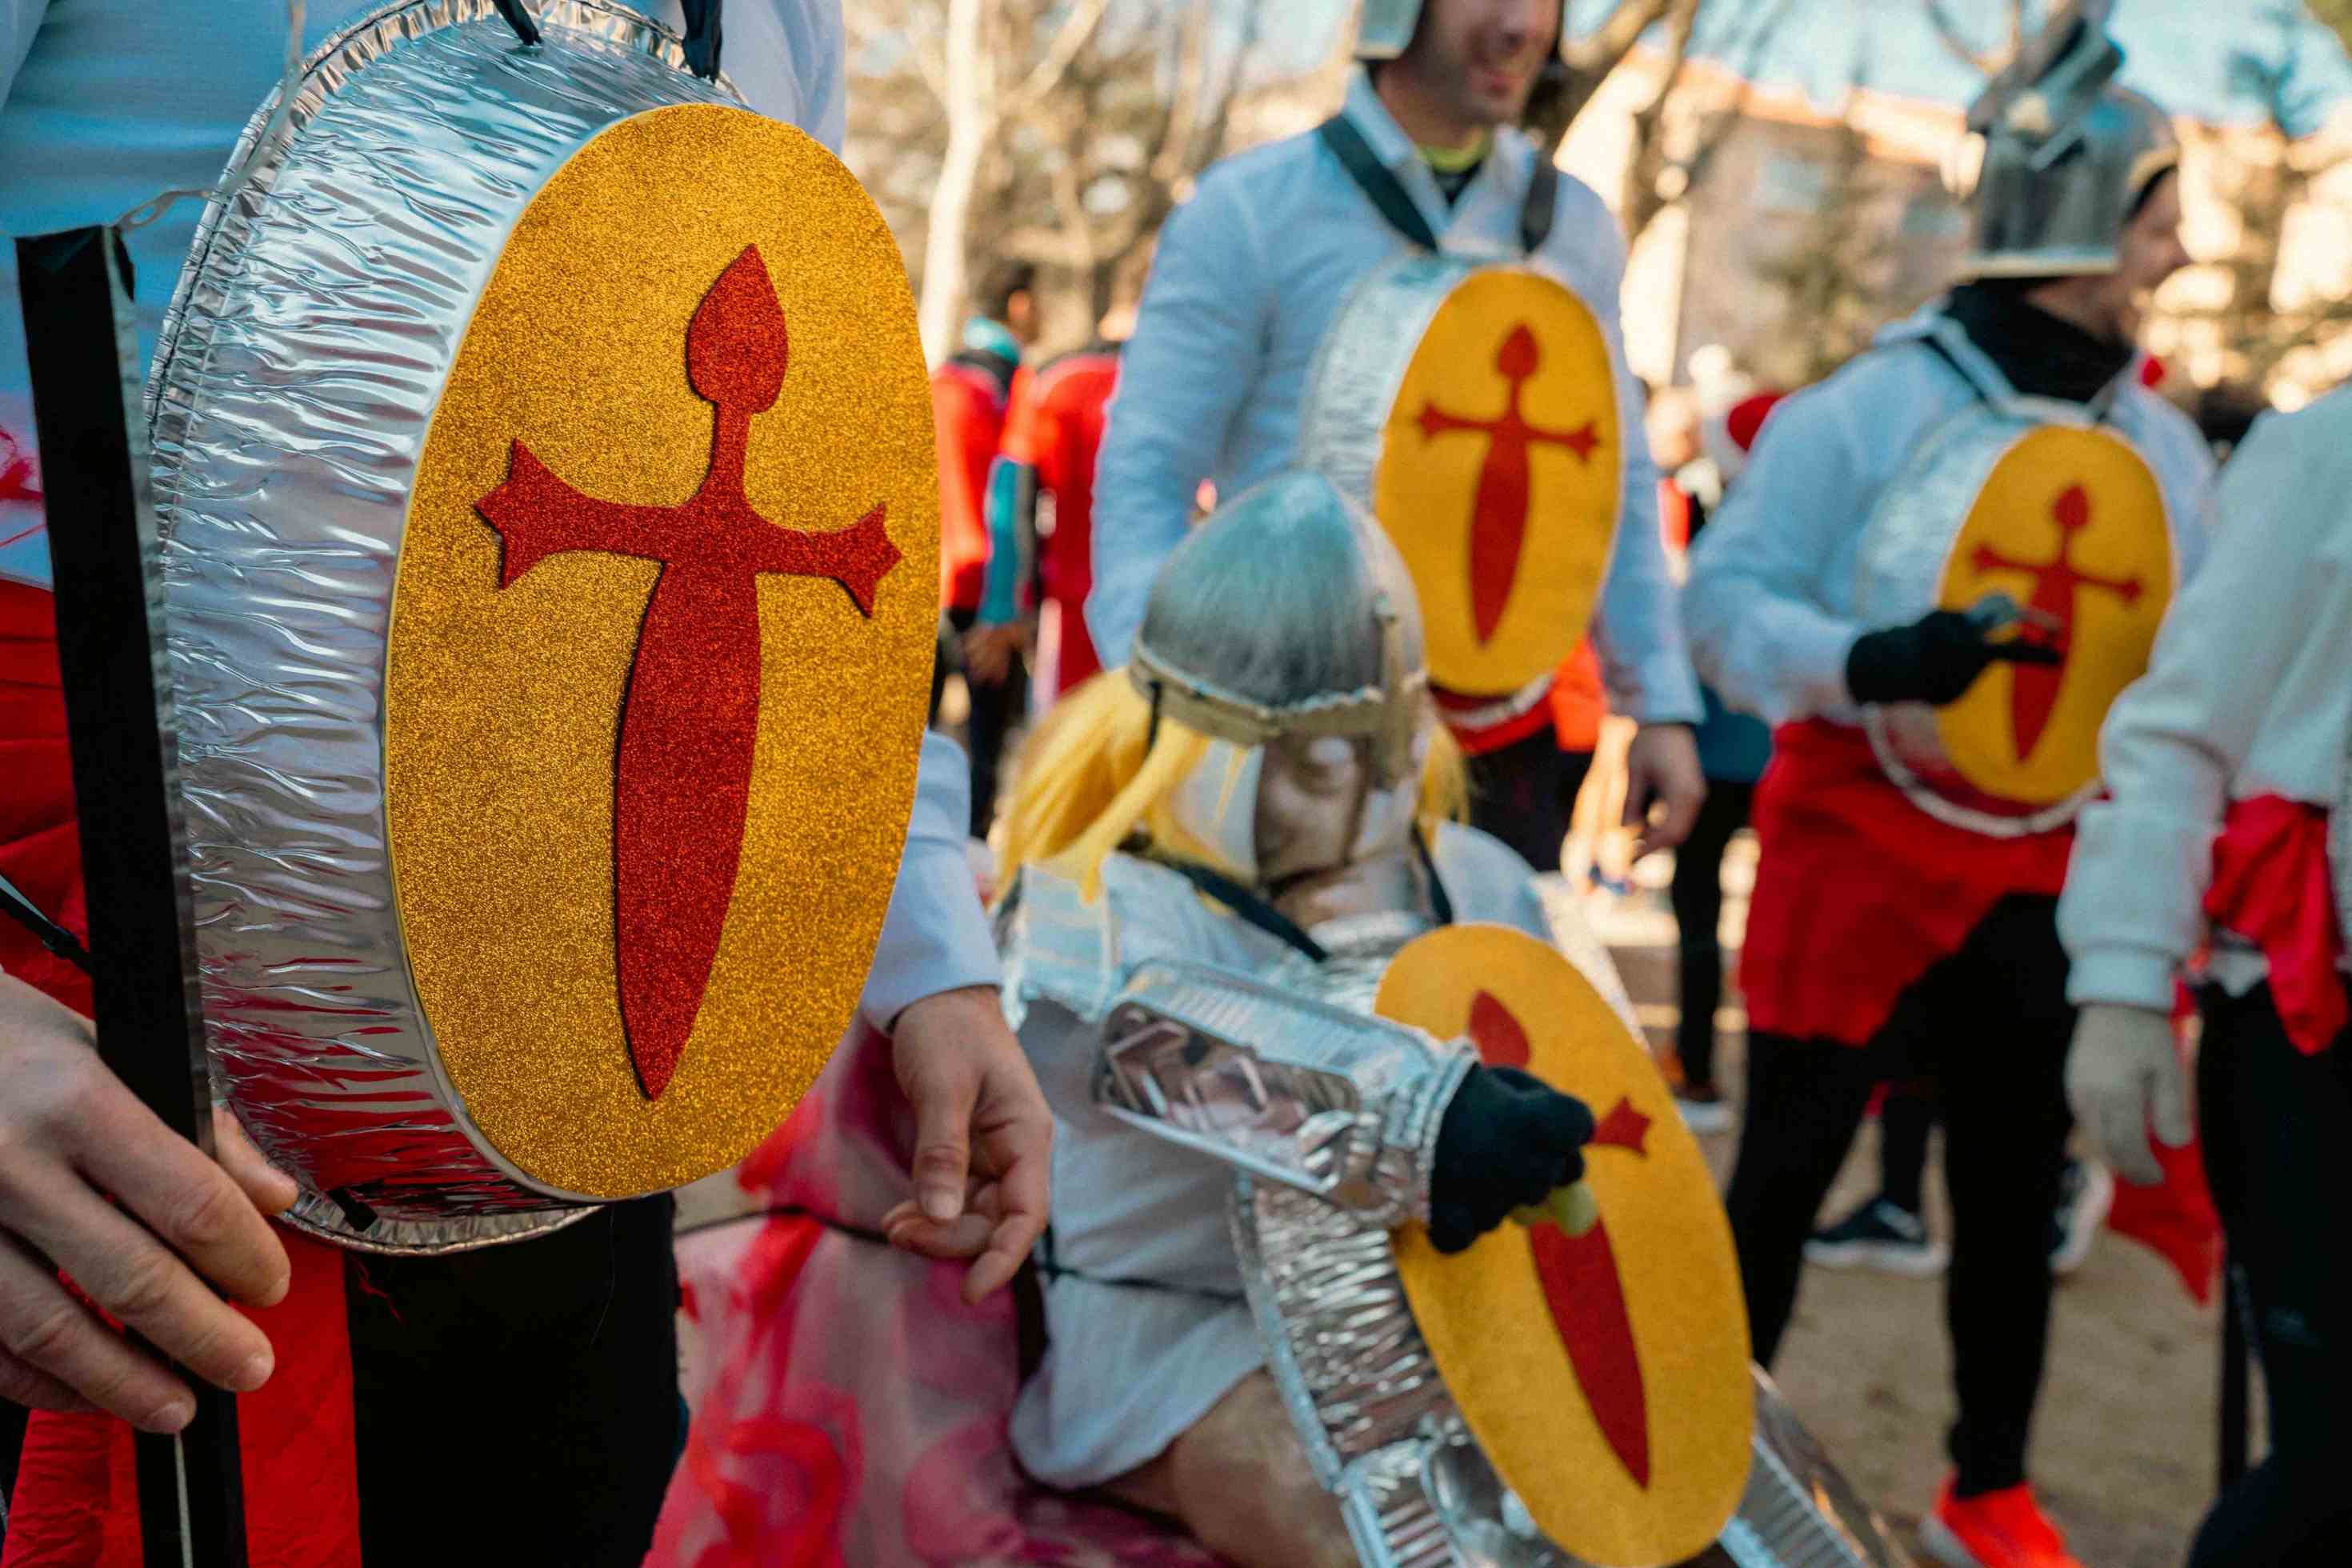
1498 516
690 711
1579 1273
2034 692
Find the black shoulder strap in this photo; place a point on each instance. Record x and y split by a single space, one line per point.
1378 183
1440 903
1376 180
1542 203
1246 904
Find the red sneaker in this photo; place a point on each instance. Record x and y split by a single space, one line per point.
2006 1528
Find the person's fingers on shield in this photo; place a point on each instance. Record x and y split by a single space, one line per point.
273 1192
58 1354
70 1135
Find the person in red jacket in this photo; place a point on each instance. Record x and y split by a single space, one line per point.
971 391
1052 432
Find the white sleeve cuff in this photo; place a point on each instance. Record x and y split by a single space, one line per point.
2131 976
935 938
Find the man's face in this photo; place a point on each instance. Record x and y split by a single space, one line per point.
1479 59
2150 250
1310 793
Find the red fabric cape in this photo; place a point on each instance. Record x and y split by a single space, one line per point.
1859 892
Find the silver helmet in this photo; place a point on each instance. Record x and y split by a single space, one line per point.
1287 612
1386 26
2057 158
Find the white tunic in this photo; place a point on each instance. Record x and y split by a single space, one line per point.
2249 693
1246 280
1147 1329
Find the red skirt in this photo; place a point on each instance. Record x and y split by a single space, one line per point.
1859 892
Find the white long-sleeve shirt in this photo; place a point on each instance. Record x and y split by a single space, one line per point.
1248 276
2249 693
105 103
1770 603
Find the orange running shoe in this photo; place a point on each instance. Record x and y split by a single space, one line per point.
2006 1528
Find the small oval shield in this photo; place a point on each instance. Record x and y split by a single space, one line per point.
1604 1374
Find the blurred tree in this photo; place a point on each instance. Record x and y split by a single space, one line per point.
1061 132
1837 277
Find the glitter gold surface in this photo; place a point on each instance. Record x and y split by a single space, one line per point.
1425 489
2123 540
1483 1311
502 706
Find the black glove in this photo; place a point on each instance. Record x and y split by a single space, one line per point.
1935 659
1508 1140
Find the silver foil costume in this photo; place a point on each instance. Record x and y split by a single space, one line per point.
1185 1050
313 269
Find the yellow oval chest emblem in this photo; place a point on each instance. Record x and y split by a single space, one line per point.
1500 477
660 651
2071 524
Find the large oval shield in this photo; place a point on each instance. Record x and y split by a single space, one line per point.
1605 1376
2069 522
551 609
1474 410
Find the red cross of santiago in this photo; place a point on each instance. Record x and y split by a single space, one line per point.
1579 1273
690 711
2056 584
1498 516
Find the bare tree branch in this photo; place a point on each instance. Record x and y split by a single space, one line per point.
1074 34
1948 30
1599 53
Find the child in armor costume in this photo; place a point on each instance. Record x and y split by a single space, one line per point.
1264 792
1900 914
2227 820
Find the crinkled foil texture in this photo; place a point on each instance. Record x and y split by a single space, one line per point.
1360 367
320 310
1380 1427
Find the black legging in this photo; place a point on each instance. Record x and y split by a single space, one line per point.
1698 911
1514 795
1990 1025
2277 1126
996 708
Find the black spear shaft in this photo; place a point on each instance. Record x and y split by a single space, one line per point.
82 346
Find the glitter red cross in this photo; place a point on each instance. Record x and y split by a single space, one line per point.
1579 1273
1498 514
690 711
2056 583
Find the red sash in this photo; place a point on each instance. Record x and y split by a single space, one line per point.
2271 886
1859 892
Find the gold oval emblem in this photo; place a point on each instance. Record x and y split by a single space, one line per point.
2071 524
1500 477
659 649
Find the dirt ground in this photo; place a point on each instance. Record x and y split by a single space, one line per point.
2124 1445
